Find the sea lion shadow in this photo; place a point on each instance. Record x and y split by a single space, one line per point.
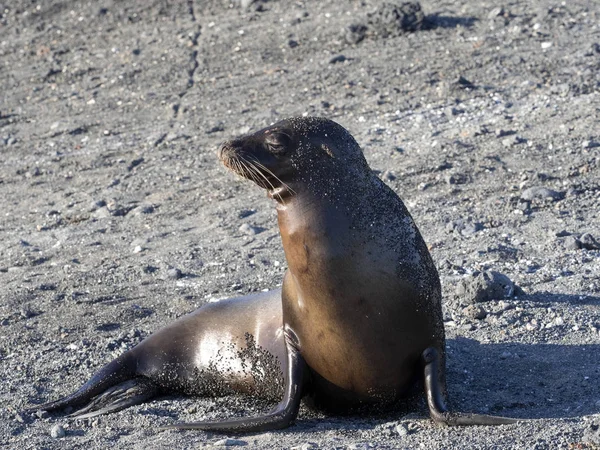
529 381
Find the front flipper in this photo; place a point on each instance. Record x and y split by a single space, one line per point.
282 416
436 402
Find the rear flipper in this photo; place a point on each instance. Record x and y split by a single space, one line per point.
436 402
116 398
106 381
282 416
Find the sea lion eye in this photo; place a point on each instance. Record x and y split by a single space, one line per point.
277 141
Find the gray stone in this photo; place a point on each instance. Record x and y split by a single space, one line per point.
483 287
542 193
57 432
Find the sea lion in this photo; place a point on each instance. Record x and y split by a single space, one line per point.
358 318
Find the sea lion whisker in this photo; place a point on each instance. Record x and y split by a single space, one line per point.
251 172
270 172
258 172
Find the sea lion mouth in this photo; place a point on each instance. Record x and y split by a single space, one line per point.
248 167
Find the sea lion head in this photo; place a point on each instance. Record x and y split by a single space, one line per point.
297 154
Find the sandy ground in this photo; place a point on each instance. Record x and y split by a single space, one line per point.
486 123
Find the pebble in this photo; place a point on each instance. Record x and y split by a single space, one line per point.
174 273
249 229
588 242
572 243
475 312
355 33
402 429
143 209
590 144
457 178
41 414
245 213
57 432
541 193
511 140
337 59
498 11
464 227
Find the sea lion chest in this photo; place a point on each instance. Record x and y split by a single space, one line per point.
351 295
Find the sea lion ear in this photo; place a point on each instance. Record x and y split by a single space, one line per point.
277 141
327 150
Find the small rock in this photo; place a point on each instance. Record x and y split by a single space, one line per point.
572 243
57 432
138 249
230 443
510 141
464 83
402 429
457 178
483 287
249 229
143 209
41 414
245 213
541 193
392 19
388 175
292 43
589 144
562 233
174 273
215 128
475 312
134 163
588 242
355 33
464 227
498 11
337 59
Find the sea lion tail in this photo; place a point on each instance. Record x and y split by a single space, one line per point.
112 388
437 405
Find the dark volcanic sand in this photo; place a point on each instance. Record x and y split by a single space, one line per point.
110 116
